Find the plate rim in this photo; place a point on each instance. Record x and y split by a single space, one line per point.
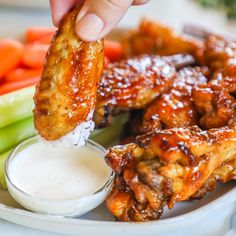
216 203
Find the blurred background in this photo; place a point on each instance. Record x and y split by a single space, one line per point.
217 15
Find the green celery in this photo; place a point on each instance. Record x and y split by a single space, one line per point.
3 158
16 106
15 133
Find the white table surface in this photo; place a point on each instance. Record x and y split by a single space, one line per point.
13 21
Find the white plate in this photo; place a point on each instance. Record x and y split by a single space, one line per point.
218 206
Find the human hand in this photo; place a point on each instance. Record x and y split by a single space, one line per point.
96 18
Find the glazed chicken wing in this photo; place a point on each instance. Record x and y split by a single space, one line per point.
66 94
133 83
166 167
220 55
223 173
175 108
216 101
216 107
155 38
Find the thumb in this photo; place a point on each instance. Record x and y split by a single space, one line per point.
97 18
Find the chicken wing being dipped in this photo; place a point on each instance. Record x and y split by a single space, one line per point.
133 83
175 108
66 94
166 167
155 38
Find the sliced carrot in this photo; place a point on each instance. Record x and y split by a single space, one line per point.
12 86
106 61
33 34
46 39
113 50
34 55
22 74
10 55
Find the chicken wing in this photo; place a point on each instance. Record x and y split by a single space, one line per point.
220 55
166 167
216 107
66 94
155 38
225 172
133 83
175 108
216 101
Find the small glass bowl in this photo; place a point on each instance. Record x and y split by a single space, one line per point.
70 208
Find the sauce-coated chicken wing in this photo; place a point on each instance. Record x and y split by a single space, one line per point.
166 167
175 108
215 107
216 101
220 54
155 38
66 94
133 83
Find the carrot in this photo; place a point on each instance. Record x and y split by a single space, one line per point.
22 74
106 61
12 86
10 55
113 50
34 55
46 39
33 34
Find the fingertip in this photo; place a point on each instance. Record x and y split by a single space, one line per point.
97 18
89 27
140 2
59 8
55 21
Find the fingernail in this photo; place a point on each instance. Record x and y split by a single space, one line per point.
89 27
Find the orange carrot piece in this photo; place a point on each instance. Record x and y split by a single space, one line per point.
22 74
113 50
106 61
33 34
10 55
46 39
12 86
34 55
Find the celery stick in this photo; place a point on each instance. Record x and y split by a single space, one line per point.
3 158
15 133
16 106
110 135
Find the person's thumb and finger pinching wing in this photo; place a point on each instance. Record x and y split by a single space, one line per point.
96 18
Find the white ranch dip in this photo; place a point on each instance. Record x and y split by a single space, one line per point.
48 172
58 181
